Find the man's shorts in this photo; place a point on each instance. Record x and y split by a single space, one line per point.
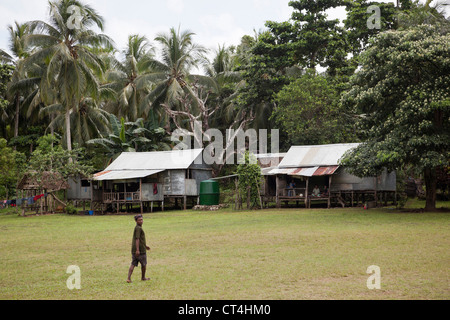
142 259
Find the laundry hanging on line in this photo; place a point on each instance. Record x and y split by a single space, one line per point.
38 197
20 202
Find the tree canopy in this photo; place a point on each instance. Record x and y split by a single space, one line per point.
319 80
402 95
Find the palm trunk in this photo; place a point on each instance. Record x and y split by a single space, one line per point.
68 133
430 184
16 119
52 130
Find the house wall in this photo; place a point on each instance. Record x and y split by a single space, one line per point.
343 180
199 176
198 172
184 182
148 193
78 192
174 182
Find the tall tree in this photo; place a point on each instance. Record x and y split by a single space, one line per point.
402 93
6 72
315 35
307 113
358 16
265 71
418 13
11 166
17 35
179 55
223 85
127 77
138 136
87 121
63 45
308 40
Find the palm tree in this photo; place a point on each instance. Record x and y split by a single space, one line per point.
126 77
17 34
138 136
179 54
225 82
65 50
87 121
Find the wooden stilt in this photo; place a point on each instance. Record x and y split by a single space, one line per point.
329 191
307 203
278 192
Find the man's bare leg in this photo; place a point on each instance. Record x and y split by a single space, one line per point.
144 269
130 272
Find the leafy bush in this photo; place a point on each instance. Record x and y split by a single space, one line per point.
70 209
249 180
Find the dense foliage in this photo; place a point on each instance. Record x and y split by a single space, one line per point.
308 113
249 180
64 77
402 90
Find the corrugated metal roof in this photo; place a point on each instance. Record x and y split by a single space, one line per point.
167 160
124 174
270 155
304 172
316 156
326 171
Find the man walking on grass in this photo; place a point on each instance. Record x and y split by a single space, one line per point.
138 249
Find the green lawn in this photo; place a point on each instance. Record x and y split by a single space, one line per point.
271 254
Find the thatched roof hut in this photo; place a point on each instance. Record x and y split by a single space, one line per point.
50 181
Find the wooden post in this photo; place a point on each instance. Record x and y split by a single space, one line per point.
260 198
352 199
376 194
23 206
329 191
92 196
42 203
185 202
140 195
236 205
307 194
103 194
278 191
248 197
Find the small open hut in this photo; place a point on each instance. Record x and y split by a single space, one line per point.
305 167
33 184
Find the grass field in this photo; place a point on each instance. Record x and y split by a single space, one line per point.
289 254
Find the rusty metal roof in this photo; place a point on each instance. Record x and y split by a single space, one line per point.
312 161
326 171
124 175
305 172
316 156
